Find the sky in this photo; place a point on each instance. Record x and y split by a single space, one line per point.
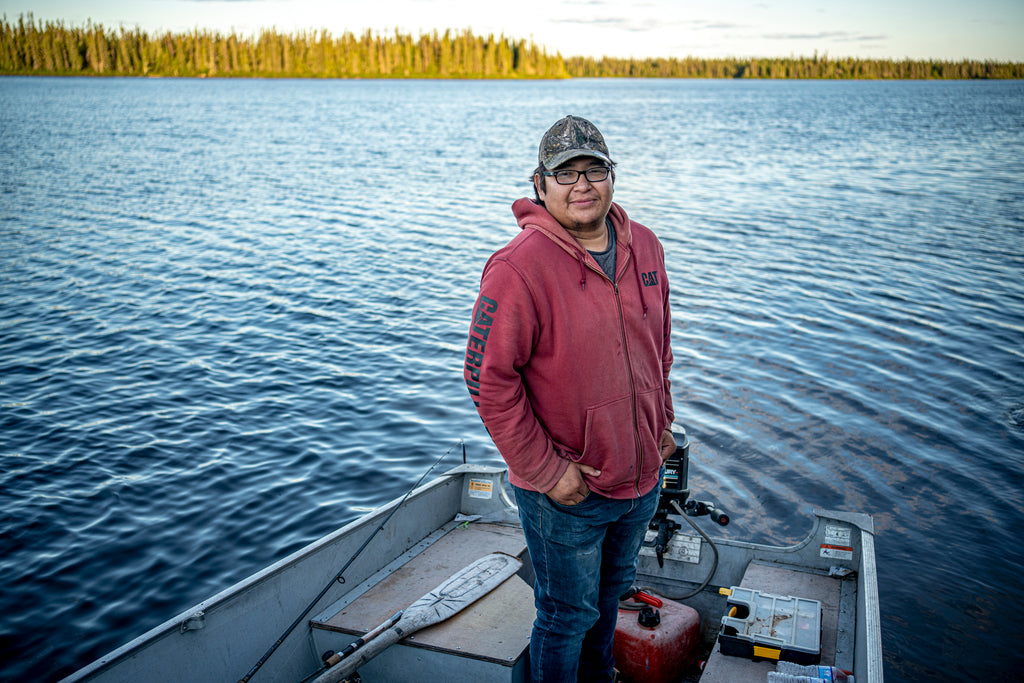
894 29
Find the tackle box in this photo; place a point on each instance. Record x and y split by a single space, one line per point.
765 626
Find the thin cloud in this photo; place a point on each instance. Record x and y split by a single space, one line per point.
648 23
840 36
713 26
620 23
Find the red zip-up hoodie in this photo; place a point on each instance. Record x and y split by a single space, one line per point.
564 364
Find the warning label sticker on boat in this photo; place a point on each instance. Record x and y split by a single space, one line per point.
481 488
681 547
837 543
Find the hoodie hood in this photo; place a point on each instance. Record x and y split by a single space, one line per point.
531 214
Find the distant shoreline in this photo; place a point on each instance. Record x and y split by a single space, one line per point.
28 48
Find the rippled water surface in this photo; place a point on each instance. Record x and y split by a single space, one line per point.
233 315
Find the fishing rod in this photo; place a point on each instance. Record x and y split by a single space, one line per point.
331 658
339 577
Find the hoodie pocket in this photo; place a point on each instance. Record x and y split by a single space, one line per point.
609 443
651 418
611 435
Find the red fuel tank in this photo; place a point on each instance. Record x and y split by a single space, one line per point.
655 645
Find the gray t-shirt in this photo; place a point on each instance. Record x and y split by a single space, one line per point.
606 258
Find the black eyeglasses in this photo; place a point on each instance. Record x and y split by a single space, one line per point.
571 177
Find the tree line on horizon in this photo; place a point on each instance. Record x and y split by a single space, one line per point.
52 48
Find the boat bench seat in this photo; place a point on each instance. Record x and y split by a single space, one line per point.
490 638
777 580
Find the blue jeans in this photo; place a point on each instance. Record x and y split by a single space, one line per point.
584 557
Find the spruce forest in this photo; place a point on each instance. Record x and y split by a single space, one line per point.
52 48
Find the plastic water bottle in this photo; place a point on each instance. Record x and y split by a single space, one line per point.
776 677
809 674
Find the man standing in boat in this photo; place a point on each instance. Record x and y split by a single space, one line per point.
567 362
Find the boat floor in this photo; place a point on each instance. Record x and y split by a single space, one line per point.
489 639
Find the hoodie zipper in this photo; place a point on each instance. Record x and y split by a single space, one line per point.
639 458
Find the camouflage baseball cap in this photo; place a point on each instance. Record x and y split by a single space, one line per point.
569 138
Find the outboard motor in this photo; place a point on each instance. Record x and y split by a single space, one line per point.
675 499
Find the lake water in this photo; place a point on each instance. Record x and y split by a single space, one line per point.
233 318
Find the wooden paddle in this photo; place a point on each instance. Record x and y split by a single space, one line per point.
458 592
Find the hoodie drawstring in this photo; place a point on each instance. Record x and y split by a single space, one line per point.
636 273
639 281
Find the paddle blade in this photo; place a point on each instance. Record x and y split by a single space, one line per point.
458 592
461 590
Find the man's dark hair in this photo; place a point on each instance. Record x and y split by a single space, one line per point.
539 172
